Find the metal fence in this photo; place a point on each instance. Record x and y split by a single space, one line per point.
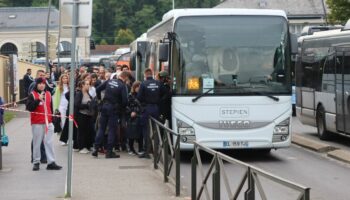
217 171
166 152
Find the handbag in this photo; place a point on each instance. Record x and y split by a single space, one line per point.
4 137
56 120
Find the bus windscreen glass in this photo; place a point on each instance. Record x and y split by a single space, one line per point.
231 55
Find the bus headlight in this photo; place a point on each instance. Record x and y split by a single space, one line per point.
281 131
186 131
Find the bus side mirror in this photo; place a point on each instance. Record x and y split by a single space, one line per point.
133 61
163 52
294 43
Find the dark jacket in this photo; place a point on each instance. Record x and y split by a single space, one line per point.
165 102
133 106
27 80
78 105
116 92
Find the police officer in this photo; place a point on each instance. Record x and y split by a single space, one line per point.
149 95
114 101
165 101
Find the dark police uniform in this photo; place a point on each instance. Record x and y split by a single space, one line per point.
149 95
114 101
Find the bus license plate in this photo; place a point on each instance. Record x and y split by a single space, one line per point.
236 144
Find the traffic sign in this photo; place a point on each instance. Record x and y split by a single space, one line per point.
85 18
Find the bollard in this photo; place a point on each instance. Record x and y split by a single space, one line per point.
194 175
250 193
216 179
177 166
166 161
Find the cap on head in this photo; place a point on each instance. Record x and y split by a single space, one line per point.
163 74
40 80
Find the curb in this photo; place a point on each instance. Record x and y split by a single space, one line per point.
320 147
311 144
341 155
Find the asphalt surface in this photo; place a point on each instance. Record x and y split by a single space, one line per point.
327 178
310 132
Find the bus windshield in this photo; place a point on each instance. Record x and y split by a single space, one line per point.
231 55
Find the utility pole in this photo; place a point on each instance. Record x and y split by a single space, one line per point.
47 37
71 96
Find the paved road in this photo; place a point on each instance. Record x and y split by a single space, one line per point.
328 178
336 140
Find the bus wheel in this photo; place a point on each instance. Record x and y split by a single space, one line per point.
323 134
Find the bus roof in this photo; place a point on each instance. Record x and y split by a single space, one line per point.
325 34
221 11
176 13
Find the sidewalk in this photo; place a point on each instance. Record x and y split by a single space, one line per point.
125 178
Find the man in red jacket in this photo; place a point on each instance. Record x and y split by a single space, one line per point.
40 105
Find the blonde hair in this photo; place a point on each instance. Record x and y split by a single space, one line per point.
60 84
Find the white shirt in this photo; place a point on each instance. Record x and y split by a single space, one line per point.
92 92
63 100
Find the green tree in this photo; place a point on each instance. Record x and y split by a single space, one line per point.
103 42
44 3
144 19
124 36
340 11
15 3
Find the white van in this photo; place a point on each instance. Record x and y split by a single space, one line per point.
121 51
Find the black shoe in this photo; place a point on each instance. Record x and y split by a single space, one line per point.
53 166
36 167
145 155
95 152
111 154
43 161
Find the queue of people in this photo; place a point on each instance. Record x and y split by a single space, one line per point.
111 111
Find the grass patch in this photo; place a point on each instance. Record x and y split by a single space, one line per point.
8 116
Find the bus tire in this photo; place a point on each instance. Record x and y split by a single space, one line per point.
322 132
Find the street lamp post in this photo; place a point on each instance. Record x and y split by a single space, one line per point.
47 37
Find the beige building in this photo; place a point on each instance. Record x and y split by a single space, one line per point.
300 13
23 32
21 70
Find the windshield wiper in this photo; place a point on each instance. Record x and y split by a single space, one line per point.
201 95
268 95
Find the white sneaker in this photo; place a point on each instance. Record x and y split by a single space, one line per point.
75 150
63 144
84 151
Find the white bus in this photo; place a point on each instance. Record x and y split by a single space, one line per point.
139 54
231 76
323 81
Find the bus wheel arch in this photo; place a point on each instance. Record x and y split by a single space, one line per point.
322 132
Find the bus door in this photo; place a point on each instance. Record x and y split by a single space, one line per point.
342 91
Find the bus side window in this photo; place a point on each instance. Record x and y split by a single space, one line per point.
328 75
